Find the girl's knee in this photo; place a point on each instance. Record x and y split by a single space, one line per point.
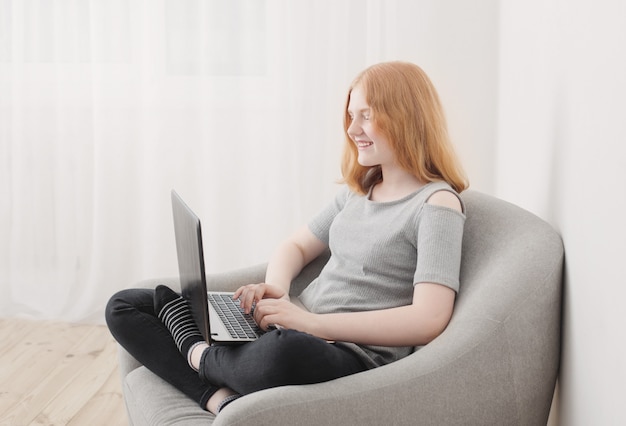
119 300
124 301
116 303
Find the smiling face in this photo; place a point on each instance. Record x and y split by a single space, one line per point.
373 147
393 113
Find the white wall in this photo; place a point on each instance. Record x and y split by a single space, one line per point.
561 152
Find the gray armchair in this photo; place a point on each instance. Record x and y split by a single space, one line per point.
495 364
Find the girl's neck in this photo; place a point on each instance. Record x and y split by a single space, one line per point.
396 184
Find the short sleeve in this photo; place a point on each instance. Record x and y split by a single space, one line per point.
320 224
439 241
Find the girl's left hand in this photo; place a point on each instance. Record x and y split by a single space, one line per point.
281 313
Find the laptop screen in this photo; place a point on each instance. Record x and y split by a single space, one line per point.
191 262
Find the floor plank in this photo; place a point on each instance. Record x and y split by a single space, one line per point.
58 374
103 408
30 360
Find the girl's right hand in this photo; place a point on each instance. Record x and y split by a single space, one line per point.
250 294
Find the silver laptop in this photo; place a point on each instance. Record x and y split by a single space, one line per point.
218 316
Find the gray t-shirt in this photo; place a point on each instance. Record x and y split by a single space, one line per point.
379 251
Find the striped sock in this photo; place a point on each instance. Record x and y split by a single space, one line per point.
174 312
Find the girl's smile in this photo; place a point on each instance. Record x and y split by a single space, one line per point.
374 149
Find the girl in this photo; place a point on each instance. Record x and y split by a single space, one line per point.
394 231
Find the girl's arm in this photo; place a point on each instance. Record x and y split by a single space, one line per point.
291 256
412 325
285 264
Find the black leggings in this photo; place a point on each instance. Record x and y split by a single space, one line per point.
280 357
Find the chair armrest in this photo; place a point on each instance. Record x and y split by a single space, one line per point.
232 280
223 281
437 385
419 389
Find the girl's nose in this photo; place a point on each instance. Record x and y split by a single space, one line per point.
354 129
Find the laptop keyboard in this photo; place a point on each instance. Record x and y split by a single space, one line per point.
238 324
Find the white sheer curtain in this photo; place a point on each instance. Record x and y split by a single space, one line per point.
106 105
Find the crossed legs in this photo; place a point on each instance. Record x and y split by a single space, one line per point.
280 357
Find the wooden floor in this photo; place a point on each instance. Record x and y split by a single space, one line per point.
58 374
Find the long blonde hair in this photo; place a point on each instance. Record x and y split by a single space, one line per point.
406 109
